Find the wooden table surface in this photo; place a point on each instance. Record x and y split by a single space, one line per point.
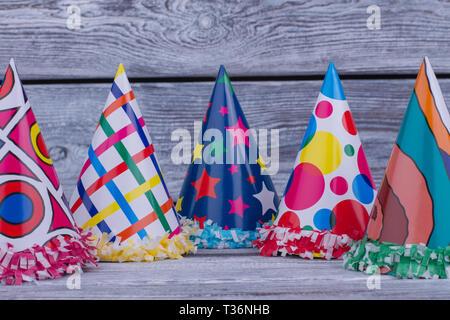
228 274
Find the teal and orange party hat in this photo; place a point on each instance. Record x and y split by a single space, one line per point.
226 191
121 195
38 236
330 191
408 231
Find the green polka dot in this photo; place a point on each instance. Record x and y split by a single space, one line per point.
349 150
308 228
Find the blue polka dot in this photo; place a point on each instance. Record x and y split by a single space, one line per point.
310 131
362 189
324 219
16 208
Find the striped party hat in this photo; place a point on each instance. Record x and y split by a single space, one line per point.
330 192
121 194
226 191
408 234
38 236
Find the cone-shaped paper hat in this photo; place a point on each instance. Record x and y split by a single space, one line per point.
330 191
408 230
38 237
226 194
121 194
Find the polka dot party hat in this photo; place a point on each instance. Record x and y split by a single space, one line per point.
330 192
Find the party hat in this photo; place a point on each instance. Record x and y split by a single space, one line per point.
330 190
226 191
121 194
38 237
408 231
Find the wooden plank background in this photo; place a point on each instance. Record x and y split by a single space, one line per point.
276 52
179 38
377 106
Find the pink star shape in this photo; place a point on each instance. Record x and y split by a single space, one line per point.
239 132
238 206
223 110
233 169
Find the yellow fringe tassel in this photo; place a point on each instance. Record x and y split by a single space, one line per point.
148 249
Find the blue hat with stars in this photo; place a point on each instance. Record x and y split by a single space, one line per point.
226 192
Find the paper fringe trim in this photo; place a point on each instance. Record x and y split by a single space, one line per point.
148 249
307 244
61 255
408 261
213 236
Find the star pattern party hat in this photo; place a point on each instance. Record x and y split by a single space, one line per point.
408 231
38 237
121 194
225 190
330 190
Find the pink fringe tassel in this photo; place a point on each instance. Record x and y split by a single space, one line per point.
46 262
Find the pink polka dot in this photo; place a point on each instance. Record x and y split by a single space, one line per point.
306 187
289 219
363 166
348 123
339 185
324 109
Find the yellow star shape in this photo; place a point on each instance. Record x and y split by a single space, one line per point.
261 163
178 205
197 151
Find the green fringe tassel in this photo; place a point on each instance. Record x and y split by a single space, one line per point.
409 261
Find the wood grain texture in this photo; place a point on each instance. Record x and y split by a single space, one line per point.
179 38
68 115
229 274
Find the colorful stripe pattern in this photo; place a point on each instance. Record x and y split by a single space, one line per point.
121 190
413 205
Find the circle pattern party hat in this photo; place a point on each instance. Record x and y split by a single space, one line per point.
330 190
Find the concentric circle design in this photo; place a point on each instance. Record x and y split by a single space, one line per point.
21 209
7 83
38 144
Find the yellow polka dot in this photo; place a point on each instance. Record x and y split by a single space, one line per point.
324 151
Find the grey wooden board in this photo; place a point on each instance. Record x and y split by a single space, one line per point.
68 115
179 38
228 274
